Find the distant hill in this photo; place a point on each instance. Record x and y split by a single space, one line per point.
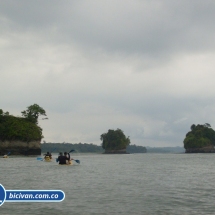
84 148
176 149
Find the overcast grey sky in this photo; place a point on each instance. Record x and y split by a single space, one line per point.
146 67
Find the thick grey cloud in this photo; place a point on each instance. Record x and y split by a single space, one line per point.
150 28
143 66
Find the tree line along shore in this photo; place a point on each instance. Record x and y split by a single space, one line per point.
85 148
23 135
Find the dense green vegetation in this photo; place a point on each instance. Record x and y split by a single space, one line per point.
200 136
84 148
114 140
33 112
21 128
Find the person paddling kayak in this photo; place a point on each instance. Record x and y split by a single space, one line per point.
68 156
62 158
48 154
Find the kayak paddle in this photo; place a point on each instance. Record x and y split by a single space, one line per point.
71 151
53 150
77 161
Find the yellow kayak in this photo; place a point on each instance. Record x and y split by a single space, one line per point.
47 159
68 164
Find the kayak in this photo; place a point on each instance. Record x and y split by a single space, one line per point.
68 164
47 159
5 156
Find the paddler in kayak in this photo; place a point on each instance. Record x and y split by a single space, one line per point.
68 156
48 156
62 159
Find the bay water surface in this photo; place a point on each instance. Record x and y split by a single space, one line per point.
129 184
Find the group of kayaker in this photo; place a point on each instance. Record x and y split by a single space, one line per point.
62 158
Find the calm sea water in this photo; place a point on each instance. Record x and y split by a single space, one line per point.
115 184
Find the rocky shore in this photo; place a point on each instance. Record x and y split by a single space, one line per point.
208 149
122 151
20 147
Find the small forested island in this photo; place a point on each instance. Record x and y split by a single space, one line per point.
21 135
114 142
201 139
